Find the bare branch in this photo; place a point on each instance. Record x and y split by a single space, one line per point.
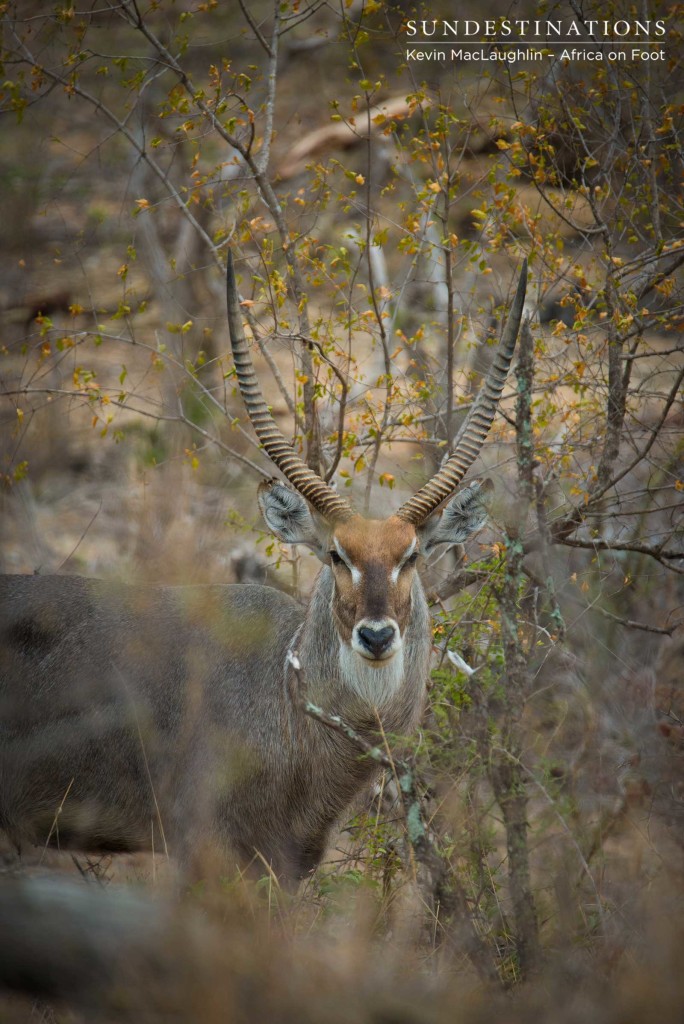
658 551
655 432
632 624
264 157
255 28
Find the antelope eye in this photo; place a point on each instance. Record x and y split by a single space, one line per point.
411 560
335 558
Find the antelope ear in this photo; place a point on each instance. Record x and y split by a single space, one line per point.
465 514
289 518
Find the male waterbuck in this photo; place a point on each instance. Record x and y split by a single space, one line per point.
136 717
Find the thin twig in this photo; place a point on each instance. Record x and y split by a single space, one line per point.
255 28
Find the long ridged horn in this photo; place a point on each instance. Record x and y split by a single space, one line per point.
472 434
319 494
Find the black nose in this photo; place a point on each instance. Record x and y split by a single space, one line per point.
376 640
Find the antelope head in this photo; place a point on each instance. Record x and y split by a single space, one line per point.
373 561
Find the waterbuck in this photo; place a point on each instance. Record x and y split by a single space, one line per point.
136 717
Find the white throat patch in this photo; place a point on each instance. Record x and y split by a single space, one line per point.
376 684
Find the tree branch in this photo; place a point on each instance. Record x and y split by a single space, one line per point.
446 893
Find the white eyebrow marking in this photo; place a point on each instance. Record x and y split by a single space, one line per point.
394 575
355 573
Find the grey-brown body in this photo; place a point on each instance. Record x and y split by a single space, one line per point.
156 716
